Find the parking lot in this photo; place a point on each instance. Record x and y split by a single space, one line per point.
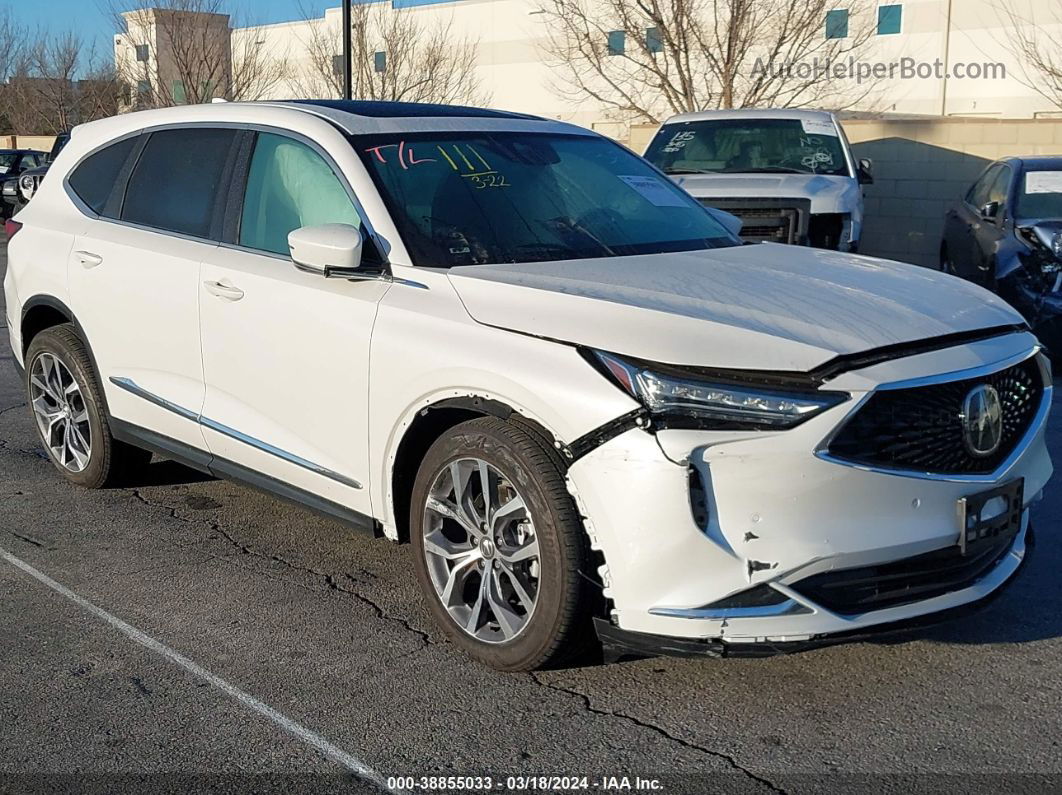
234 635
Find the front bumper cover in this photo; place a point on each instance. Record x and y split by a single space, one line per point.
619 644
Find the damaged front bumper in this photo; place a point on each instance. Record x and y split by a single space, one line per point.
618 643
718 541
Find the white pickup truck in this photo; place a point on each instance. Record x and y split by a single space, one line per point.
789 175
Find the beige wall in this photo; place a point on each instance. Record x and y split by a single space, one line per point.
922 167
41 143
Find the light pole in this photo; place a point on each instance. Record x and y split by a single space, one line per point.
348 56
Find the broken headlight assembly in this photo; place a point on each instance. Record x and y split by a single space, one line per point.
1046 245
676 399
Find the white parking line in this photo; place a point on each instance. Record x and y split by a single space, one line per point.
338 755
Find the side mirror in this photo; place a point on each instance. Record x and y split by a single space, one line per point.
865 171
329 250
990 211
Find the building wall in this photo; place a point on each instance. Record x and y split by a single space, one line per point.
514 73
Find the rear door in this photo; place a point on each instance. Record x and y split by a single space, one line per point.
134 273
285 352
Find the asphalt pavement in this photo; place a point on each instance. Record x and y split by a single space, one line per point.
187 633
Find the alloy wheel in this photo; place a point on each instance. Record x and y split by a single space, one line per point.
481 550
60 410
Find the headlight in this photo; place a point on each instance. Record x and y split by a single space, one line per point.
680 401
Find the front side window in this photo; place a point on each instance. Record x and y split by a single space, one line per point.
978 194
494 197
94 178
1039 195
749 146
290 186
176 181
997 192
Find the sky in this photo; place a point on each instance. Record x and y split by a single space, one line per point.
86 17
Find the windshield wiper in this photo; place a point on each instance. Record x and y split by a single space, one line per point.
689 171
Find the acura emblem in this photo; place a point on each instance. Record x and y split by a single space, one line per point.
982 421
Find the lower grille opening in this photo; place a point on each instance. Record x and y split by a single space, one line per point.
854 591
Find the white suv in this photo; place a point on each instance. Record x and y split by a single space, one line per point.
517 345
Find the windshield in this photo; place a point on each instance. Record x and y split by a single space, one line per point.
477 198
1039 195
749 146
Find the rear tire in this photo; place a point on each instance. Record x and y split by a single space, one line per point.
70 413
505 578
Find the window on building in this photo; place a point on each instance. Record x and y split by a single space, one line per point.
654 42
337 64
93 180
142 52
189 163
143 87
290 186
837 23
617 42
379 61
180 96
889 19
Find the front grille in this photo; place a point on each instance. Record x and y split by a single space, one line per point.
854 591
921 428
767 220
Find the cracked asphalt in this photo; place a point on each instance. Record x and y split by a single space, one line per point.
325 625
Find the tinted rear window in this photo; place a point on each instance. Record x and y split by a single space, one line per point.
176 180
94 179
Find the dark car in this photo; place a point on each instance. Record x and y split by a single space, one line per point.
1006 234
18 189
13 164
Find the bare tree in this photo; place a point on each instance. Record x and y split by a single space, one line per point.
176 52
1036 50
57 83
646 59
395 57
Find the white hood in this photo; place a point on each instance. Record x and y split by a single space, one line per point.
827 194
763 307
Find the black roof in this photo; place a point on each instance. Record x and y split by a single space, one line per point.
399 110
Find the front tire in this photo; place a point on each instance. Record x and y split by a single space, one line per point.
70 413
500 553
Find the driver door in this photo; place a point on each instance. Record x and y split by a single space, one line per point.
285 352
988 232
962 222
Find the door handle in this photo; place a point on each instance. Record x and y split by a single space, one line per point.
88 259
224 290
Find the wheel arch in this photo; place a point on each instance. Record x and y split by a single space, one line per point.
428 423
42 312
